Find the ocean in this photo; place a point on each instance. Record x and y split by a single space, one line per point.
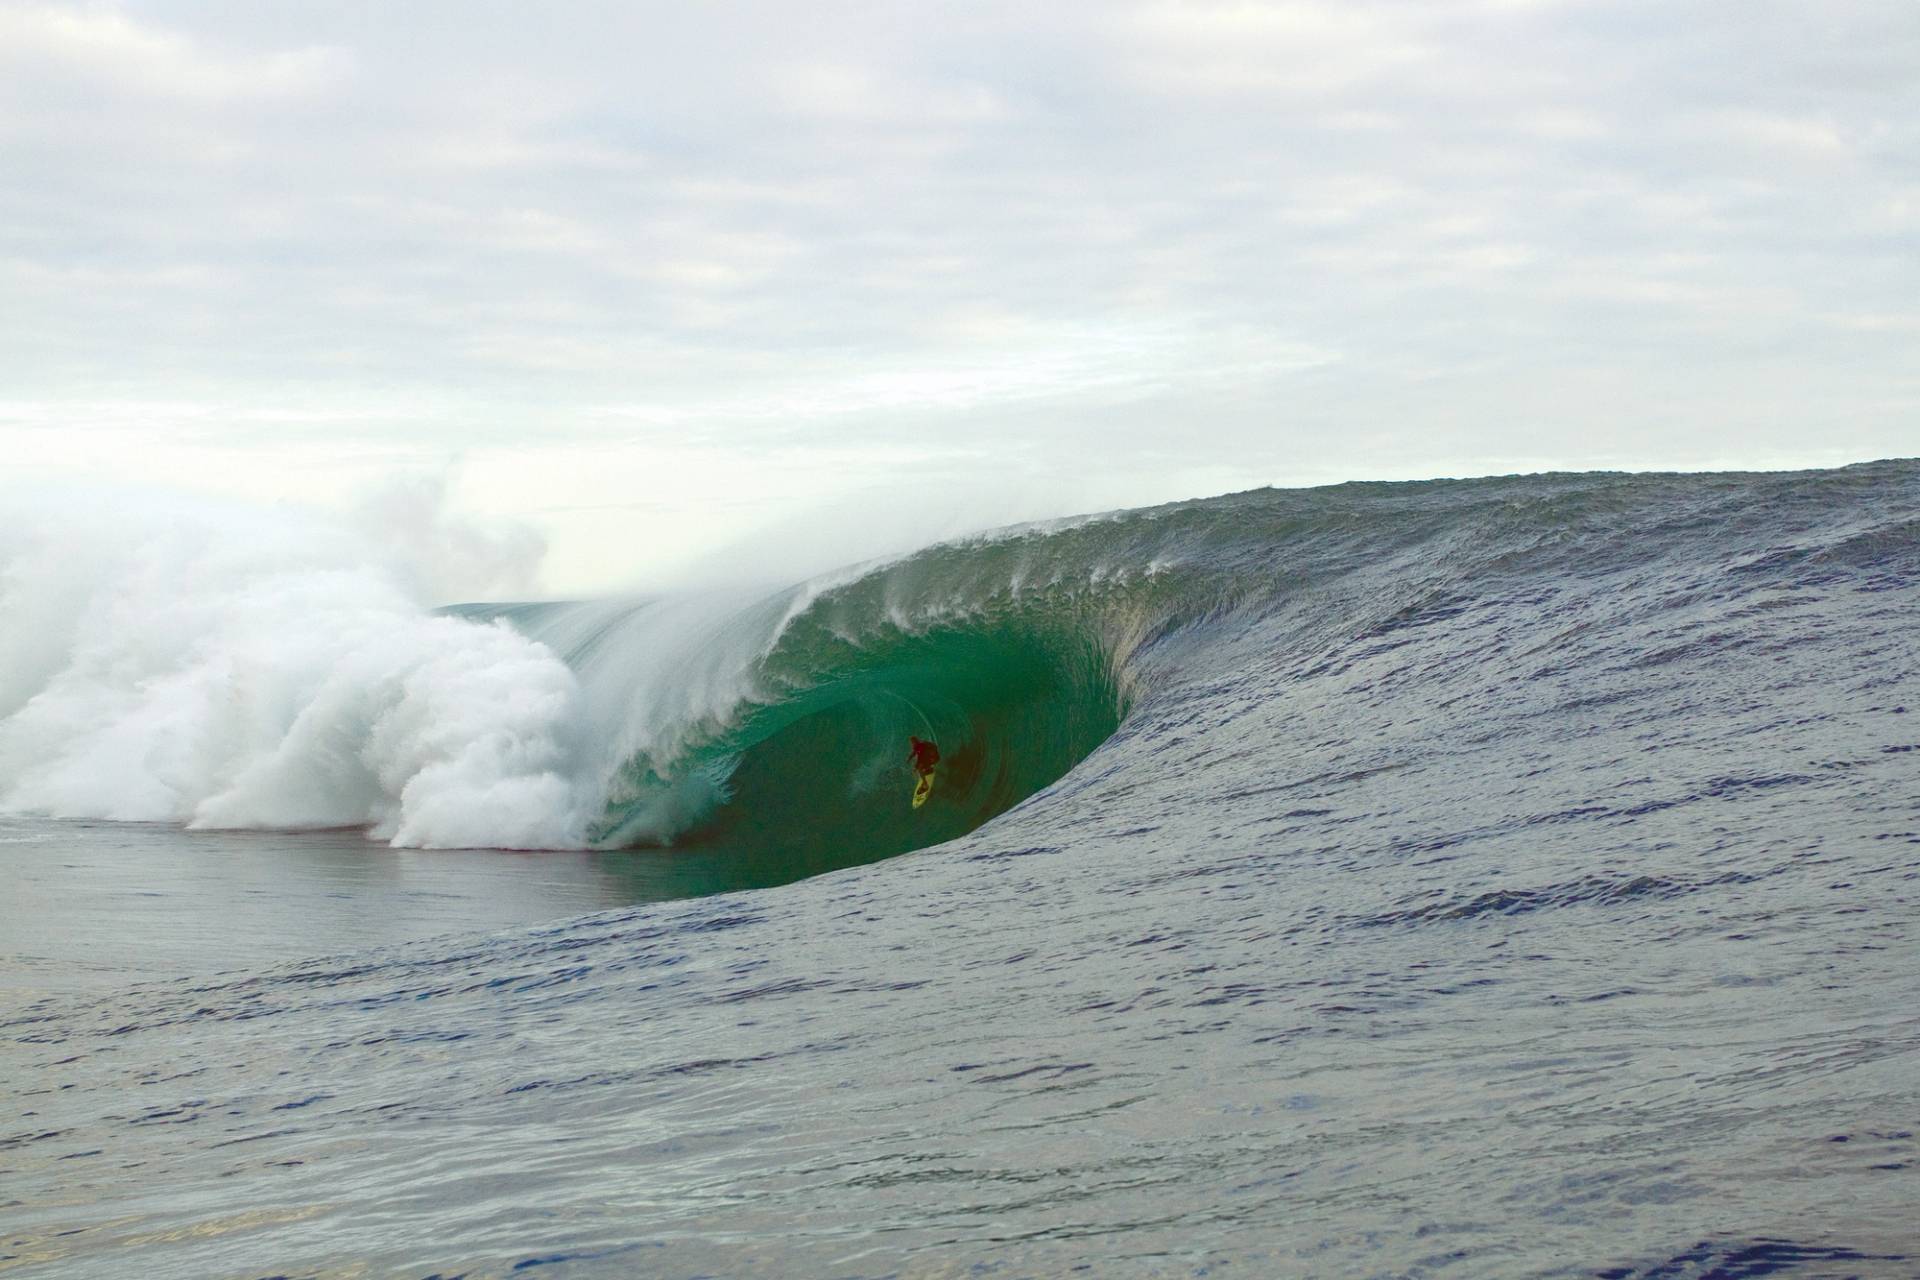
1505 877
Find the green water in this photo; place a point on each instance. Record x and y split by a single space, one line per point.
820 779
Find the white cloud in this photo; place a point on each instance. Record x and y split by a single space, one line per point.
118 55
864 95
1787 136
1294 47
297 248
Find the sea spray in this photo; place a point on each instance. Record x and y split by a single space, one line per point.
231 667
227 667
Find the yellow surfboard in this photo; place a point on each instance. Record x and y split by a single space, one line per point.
922 790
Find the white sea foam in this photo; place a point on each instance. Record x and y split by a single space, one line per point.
171 660
234 667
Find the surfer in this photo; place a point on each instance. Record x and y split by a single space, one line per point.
924 756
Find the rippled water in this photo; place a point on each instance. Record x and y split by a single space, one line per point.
1541 914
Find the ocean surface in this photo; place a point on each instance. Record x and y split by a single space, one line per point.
1509 877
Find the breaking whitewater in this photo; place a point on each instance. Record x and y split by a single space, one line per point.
1480 878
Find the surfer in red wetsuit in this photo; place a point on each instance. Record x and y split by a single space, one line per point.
925 755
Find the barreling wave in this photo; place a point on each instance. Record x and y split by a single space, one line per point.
219 678
775 730
1022 652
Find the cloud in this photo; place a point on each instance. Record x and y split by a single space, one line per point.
1293 239
840 92
110 52
1776 135
1294 49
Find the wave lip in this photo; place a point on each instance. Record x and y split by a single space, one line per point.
808 768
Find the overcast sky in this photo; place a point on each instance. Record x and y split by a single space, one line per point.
645 276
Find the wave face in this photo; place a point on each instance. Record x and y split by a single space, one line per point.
770 733
1493 878
238 676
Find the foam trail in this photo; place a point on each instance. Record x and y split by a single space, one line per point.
226 667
